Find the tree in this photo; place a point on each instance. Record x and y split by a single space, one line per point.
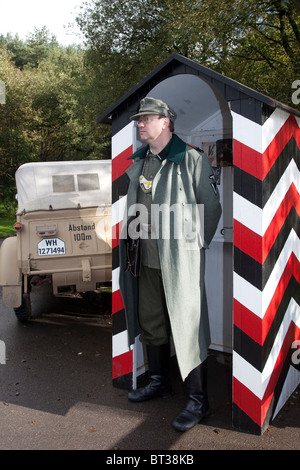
38 46
256 42
50 112
120 35
15 143
266 55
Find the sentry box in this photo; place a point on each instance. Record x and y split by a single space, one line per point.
253 270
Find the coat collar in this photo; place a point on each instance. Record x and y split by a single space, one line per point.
173 151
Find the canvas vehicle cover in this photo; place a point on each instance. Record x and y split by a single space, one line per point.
63 185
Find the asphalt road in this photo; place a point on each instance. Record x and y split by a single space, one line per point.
56 394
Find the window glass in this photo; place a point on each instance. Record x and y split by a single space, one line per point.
63 183
88 182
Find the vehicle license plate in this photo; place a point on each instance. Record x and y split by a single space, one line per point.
51 247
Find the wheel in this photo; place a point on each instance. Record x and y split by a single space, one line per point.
23 313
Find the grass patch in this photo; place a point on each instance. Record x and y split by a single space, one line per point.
7 226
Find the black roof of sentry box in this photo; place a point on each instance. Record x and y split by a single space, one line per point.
240 96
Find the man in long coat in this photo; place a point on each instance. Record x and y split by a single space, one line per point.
172 214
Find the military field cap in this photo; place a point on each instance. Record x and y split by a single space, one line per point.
154 106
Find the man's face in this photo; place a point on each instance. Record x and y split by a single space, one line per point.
151 127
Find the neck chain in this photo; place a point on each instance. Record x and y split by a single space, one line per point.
145 184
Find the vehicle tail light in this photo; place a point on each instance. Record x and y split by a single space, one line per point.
18 226
48 231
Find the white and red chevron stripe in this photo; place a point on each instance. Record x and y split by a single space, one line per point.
253 390
257 301
273 217
266 237
257 324
122 354
257 147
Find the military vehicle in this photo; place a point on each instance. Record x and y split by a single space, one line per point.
63 232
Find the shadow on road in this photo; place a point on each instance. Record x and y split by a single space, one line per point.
60 365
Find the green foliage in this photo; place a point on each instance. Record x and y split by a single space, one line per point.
54 94
7 226
267 52
8 207
50 111
38 46
255 42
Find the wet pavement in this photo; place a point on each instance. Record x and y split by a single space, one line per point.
56 393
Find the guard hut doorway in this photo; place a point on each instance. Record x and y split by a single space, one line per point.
204 121
252 274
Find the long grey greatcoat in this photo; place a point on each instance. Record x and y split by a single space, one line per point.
184 179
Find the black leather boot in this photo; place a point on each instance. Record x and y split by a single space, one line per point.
158 382
197 406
